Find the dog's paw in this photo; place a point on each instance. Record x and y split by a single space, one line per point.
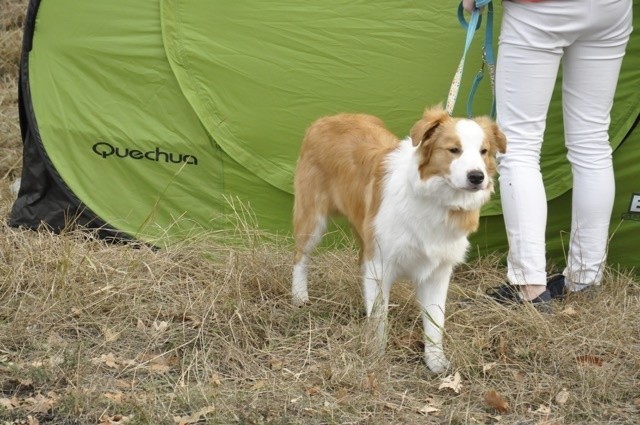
299 300
437 362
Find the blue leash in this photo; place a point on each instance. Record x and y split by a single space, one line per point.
488 57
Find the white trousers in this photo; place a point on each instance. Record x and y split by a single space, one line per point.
589 38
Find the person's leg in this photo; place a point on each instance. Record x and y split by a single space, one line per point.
527 67
591 66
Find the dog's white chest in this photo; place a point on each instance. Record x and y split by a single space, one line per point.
417 243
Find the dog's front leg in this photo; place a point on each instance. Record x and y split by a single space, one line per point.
376 286
431 292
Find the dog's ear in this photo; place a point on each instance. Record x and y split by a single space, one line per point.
427 125
497 139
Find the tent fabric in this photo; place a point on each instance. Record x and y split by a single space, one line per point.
148 118
43 197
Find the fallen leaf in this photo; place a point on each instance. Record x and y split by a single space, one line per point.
215 380
276 364
562 397
434 401
110 360
589 360
481 342
56 360
390 406
194 418
481 419
502 346
341 395
160 326
159 367
146 357
518 376
313 391
453 382
41 403
542 410
428 409
9 403
258 385
372 383
496 401
155 363
191 320
110 335
327 373
432 406
113 420
128 362
569 311
488 366
114 396
106 359
124 384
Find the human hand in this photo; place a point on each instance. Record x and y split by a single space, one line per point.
469 5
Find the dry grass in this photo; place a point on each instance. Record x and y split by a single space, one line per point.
92 333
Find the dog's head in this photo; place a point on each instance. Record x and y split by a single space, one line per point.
458 152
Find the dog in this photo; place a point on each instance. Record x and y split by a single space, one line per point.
412 204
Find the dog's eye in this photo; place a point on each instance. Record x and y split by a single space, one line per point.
454 150
484 151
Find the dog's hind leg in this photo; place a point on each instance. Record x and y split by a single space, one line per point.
308 232
377 281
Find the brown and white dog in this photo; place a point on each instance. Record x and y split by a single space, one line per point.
412 203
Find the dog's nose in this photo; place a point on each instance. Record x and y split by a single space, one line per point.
475 177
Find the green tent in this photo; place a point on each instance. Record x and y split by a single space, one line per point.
155 119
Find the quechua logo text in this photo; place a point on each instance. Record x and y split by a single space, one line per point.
108 150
